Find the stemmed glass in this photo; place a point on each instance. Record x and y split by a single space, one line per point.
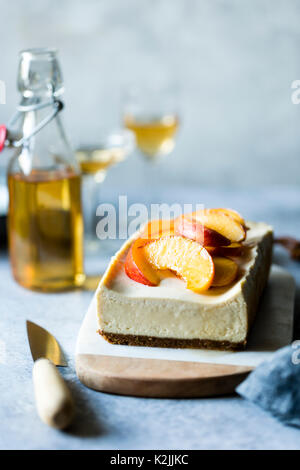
95 159
151 112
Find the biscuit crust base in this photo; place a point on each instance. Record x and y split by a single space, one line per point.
154 342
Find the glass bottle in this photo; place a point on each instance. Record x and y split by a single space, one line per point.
45 227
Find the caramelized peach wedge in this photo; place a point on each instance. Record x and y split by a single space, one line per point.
189 227
158 228
231 213
213 219
225 271
137 267
197 247
234 250
187 259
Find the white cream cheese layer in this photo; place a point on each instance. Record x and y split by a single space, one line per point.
172 311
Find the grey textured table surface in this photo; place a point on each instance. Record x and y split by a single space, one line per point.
113 422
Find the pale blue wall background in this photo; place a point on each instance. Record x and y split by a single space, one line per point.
234 59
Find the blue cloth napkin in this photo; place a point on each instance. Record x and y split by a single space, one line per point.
275 385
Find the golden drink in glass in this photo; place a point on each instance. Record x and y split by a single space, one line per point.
154 136
92 159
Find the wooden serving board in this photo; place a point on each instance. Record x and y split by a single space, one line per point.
166 372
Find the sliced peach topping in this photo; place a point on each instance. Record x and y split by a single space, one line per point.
225 271
186 258
196 247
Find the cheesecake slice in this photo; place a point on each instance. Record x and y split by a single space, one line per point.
170 315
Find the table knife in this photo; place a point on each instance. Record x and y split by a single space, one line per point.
54 402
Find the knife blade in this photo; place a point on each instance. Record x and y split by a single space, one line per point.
54 402
44 344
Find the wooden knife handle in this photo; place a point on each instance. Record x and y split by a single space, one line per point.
54 402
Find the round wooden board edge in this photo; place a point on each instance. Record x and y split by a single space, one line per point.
155 378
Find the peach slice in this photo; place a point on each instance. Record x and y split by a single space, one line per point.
186 258
225 271
137 267
221 223
232 213
235 249
189 228
158 228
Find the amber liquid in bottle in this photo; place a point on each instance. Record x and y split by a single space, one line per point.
46 229
154 136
